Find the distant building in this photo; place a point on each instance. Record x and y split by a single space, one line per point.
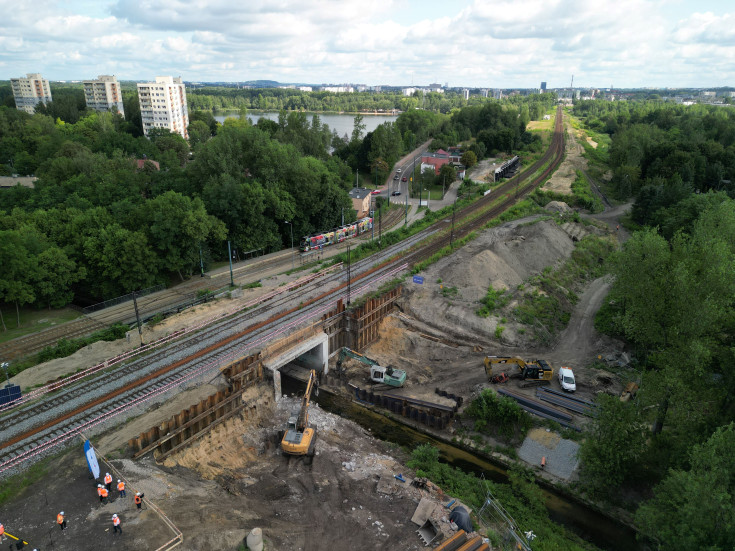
484 92
104 94
543 87
361 200
434 160
305 88
497 94
409 91
163 105
707 94
338 89
436 87
466 94
140 164
30 91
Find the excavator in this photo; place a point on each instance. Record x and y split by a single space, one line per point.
299 439
379 374
534 373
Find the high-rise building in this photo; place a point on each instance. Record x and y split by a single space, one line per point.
543 87
466 94
104 94
163 105
30 91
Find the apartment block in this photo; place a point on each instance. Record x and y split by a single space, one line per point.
30 91
163 105
104 94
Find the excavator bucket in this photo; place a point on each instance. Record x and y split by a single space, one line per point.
429 532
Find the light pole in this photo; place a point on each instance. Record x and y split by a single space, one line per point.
291 226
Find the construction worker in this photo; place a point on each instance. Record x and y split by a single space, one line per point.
116 525
99 491
61 521
2 532
121 488
108 482
138 499
104 494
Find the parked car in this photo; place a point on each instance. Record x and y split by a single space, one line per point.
396 192
404 179
376 192
566 379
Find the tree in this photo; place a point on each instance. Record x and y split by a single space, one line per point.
469 159
695 509
613 443
199 132
55 276
19 267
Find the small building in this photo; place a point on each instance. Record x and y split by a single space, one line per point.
361 200
7 182
436 160
140 164
455 155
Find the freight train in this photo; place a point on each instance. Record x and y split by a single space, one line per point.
319 240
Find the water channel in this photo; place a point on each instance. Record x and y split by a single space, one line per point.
342 123
589 524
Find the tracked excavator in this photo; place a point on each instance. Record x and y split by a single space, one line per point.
379 374
299 439
536 373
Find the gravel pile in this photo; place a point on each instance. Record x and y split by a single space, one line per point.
561 456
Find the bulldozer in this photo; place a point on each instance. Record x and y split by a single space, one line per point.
299 439
379 374
536 373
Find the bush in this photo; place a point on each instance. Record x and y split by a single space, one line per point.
493 299
67 347
498 415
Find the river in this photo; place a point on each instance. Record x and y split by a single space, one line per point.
343 124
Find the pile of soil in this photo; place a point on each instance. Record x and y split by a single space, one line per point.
502 258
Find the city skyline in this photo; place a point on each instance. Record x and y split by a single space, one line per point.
667 43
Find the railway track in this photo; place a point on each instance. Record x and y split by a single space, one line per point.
36 426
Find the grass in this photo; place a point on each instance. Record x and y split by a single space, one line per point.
33 320
493 300
14 486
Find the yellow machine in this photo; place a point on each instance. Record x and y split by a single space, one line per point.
299 438
534 373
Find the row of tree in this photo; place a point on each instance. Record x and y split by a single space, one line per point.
673 299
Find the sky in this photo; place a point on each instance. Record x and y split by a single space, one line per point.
465 43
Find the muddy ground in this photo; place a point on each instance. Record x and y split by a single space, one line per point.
236 479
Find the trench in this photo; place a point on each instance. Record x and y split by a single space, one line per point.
589 524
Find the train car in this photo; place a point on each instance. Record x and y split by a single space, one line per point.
348 231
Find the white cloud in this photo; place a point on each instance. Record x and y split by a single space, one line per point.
482 43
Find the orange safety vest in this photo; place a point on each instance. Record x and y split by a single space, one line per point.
137 500
59 519
108 479
104 492
116 521
2 529
99 491
121 487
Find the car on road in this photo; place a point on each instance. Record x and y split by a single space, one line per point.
376 192
396 192
566 379
396 177
398 171
404 179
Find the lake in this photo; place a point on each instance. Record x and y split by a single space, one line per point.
343 124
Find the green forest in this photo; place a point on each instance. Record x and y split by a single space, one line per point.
96 225
667 456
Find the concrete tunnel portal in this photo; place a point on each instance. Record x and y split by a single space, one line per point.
297 360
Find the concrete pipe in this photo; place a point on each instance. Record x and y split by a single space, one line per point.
255 540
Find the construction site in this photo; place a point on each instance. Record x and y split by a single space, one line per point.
257 444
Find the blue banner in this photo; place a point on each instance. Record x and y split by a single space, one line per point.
94 467
418 279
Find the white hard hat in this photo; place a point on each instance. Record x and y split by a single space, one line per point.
114 516
99 485
107 474
119 480
61 513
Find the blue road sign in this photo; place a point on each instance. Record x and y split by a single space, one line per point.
418 279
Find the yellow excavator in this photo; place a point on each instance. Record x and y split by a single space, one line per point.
299 438
534 373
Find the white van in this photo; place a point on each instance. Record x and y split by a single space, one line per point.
566 379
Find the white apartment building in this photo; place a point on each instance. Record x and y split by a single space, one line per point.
104 94
30 91
163 105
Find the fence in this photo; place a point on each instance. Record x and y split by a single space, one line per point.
121 299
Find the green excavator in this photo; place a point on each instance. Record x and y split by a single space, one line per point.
379 374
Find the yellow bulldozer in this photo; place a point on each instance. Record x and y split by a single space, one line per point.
535 373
